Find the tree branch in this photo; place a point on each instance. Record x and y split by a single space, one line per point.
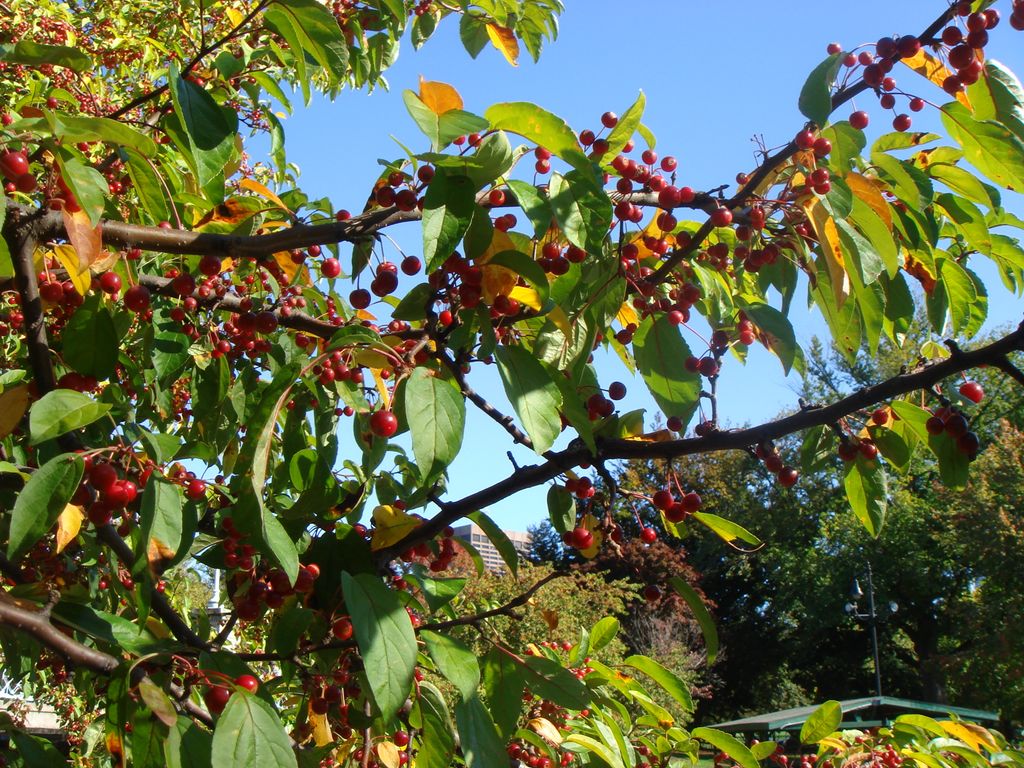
502 610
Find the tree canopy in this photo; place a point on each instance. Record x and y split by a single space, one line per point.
186 333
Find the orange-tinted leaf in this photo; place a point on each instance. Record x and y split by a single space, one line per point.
868 191
546 730
504 39
68 525
291 269
388 754
321 728
658 436
79 276
439 97
828 236
918 270
228 212
550 618
159 555
497 279
13 404
264 192
933 69
86 239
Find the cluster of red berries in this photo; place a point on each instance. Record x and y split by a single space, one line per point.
676 509
772 460
254 590
951 422
218 694
439 559
111 492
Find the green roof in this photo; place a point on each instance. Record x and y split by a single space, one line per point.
857 713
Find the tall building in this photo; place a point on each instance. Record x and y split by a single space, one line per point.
474 534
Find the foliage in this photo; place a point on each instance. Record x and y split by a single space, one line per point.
185 332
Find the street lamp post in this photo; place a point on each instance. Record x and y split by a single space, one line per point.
872 618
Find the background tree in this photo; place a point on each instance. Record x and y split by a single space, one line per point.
185 338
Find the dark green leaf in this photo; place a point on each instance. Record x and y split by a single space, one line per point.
561 508
210 128
473 33
89 342
455 661
534 204
161 526
582 209
822 722
436 414
816 95
660 352
437 593
170 354
385 637
33 54
310 29
867 491
87 184
550 680
437 740
700 612
188 746
447 211
498 538
478 736
503 684
35 751
533 394
250 733
776 327
61 411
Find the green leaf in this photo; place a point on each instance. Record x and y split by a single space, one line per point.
75 128
700 612
87 184
664 677
493 158
603 632
541 127
816 96
629 123
447 212
210 128
962 182
727 743
998 95
781 339
249 732
385 637
727 529
478 736
455 661
500 540
437 741
550 680
278 544
89 342
161 526
503 684
561 508
990 147
33 54
953 465
42 500
169 354
310 29
960 293
436 414
535 205
534 396
61 411
822 722
660 352
473 33
441 129
866 487
188 746
437 593
147 183
158 702
582 209
602 750
35 751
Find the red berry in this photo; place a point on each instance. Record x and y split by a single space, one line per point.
330 268
383 423
722 217
648 535
788 477
652 593
901 122
216 699
248 682
581 538
859 120
342 629
972 391
136 298
13 164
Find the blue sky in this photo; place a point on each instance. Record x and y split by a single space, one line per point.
716 75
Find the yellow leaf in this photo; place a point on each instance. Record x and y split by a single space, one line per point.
831 741
504 39
290 268
933 69
106 261
68 258
13 404
970 734
157 628
264 192
68 525
439 97
86 239
627 315
388 754
659 436
828 236
546 730
651 230
390 525
558 317
497 279
321 728
382 388
234 16
526 296
866 190
159 555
